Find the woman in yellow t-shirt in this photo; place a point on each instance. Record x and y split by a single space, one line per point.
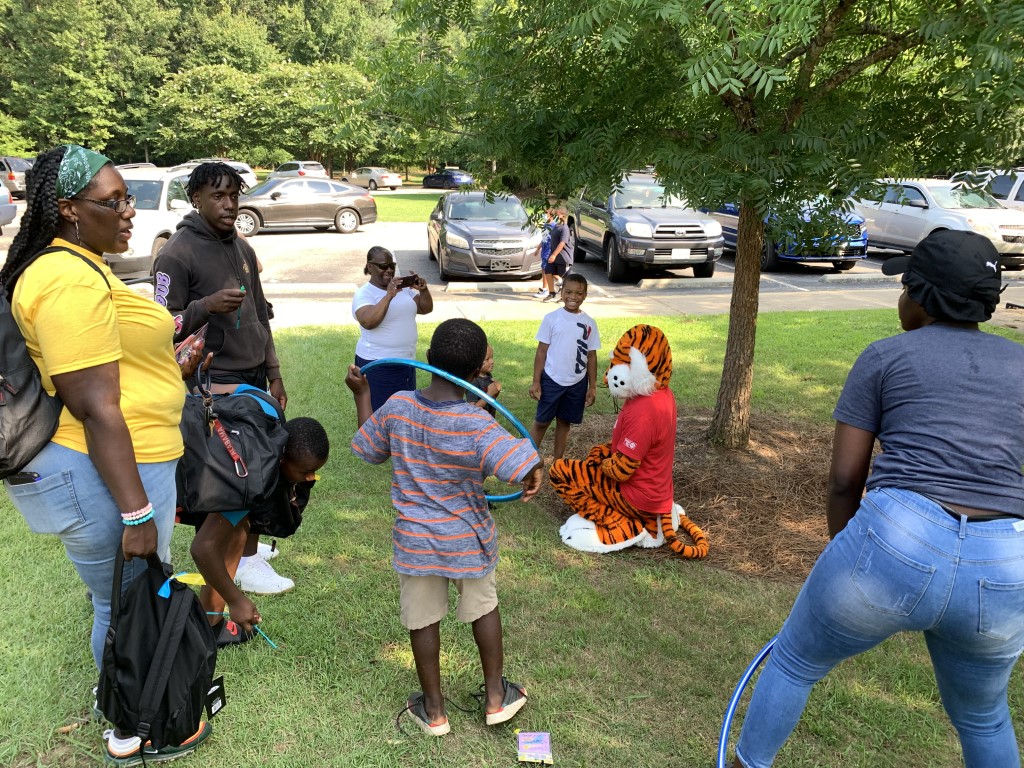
107 476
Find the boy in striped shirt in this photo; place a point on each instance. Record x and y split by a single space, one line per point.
441 449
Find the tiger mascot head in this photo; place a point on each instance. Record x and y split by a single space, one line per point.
641 363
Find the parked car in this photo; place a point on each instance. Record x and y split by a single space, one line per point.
8 210
294 168
244 169
132 166
12 174
447 178
469 235
1005 186
844 250
641 227
317 203
373 177
900 214
160 203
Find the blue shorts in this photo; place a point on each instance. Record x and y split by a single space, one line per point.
561 402
235 517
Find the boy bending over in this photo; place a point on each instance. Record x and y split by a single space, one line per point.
219 541
442 448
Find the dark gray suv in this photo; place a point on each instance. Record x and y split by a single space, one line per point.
640 227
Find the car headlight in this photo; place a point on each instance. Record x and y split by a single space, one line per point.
712 228
638 229
456 241
982 227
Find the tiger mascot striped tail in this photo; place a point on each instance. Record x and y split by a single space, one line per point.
622 492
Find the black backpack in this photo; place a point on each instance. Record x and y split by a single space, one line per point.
28 414
233 450
159 658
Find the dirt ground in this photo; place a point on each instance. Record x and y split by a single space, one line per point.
763 509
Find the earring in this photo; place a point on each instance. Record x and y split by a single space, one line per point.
77 236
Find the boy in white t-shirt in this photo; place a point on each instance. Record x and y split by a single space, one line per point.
565 366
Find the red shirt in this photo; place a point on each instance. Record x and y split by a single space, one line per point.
646 430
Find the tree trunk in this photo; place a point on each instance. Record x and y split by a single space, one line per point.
730 425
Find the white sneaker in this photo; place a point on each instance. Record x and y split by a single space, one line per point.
541 293
256 576
266 551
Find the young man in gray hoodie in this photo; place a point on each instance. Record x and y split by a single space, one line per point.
208 274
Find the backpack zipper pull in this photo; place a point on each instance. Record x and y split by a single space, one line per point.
7 385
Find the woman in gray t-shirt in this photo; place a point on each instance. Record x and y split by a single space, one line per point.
936 544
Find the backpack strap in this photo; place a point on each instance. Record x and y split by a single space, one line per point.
53 249
163 659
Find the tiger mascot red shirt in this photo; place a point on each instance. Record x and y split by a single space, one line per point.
622 493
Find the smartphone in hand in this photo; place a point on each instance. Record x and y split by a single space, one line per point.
408 281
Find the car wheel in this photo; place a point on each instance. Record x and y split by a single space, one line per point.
248 222
430 249
445 274
392 188
344 179
373 185
159 243
769 257
707 269
615 268
579 253
843 266
346 221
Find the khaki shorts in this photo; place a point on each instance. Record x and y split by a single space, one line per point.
424 599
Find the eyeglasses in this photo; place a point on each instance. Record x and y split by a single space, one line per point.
382 267
117 206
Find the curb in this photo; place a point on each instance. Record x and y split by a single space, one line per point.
875 277
682 283
527 286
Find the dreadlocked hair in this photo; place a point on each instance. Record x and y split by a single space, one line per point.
41 220
212 173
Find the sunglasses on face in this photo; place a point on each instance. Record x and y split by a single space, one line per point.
382 267
117 206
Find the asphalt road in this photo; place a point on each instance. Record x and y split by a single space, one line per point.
310 277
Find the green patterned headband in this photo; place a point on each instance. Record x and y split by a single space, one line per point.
77 169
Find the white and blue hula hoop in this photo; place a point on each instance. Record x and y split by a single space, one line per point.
730 711
469 387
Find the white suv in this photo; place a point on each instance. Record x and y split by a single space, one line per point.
911 209
1008 188
160 203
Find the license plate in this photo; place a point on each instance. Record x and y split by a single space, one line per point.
680 253
500 265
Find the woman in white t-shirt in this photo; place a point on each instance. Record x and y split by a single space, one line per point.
386 309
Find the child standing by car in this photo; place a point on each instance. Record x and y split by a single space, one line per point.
565 365
545 254
436 439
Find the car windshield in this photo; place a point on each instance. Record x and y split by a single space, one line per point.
313 167
481 210
147 194
263 187
645 196
961 197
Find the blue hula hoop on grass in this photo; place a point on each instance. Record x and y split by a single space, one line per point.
734 702
469 387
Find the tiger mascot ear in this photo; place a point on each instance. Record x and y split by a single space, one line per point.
641 363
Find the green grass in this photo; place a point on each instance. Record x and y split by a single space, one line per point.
405 207
629 659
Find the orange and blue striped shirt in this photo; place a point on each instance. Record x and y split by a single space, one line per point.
441 452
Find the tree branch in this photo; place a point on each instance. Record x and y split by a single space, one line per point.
897 45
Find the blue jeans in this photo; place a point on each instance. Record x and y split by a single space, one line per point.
386 380
903 563
71 501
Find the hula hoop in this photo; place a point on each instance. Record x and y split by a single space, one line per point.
467 386
730 711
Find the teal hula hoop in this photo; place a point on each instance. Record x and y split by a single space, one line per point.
470 388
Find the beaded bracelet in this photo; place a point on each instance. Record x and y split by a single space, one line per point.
139 516
144 519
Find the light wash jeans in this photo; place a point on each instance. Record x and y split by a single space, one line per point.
71 501
903 563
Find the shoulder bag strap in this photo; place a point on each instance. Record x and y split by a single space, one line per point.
55 248
162 660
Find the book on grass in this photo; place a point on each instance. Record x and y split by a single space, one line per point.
535 748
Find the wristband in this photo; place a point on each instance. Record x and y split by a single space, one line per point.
144 519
